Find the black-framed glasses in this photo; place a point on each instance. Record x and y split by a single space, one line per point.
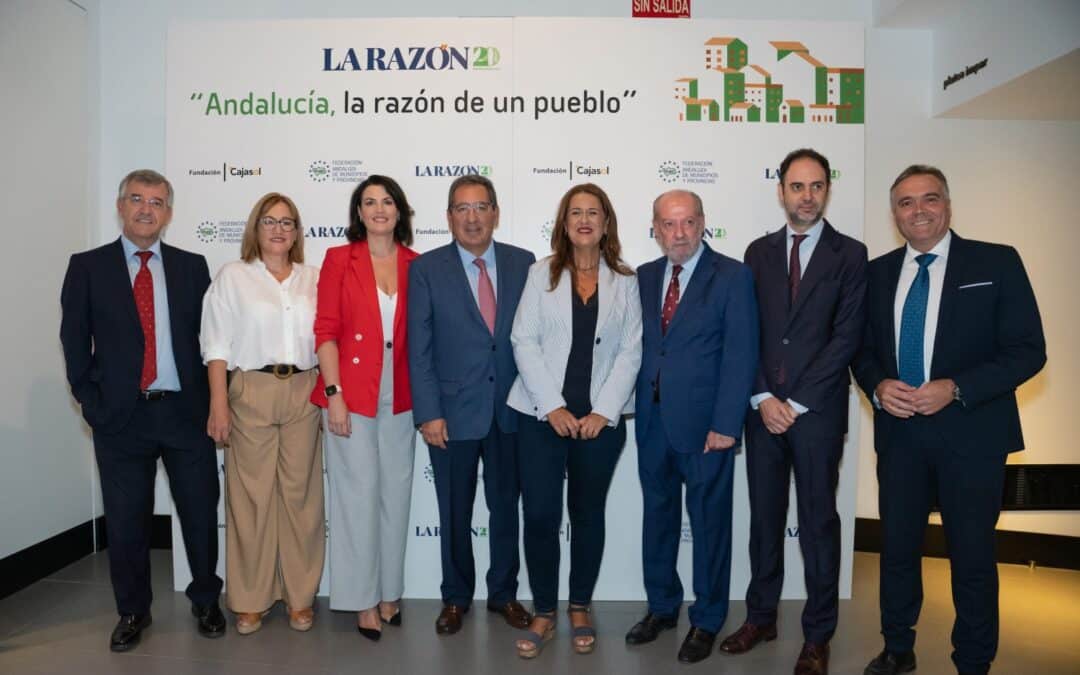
285 224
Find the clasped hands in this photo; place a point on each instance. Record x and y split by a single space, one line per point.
566 425
902 400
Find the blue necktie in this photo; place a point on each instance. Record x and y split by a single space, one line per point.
913 323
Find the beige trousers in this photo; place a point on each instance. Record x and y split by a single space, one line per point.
275 528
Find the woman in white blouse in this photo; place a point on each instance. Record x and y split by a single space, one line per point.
258 344
577 344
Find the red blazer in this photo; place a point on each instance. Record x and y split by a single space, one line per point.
348 312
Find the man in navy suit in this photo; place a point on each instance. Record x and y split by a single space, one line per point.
811 291
462 300
130 333
700 352
952 330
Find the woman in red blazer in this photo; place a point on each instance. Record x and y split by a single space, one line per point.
363 387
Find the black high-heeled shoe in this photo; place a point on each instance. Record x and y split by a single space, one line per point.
370 633
394 620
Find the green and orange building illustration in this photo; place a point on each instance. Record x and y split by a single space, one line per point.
747 92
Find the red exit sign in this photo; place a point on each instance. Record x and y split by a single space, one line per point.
662 9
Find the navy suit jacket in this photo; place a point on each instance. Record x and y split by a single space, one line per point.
103 339
989 341
458 370
816 339
705 364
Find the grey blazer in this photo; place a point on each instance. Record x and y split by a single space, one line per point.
542 335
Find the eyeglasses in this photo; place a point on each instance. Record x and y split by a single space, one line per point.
286 224
463 208
153 202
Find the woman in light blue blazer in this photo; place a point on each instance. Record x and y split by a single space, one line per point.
577 344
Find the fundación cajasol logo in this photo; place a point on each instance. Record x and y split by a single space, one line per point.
434 57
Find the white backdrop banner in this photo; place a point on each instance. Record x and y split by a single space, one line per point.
310 108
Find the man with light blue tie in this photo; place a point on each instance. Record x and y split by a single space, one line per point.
952 330
462 300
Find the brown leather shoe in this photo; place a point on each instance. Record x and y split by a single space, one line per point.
747 637
514 613
813 660
449 621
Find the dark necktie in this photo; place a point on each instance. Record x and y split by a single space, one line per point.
671 299
913 324
143 288
795 267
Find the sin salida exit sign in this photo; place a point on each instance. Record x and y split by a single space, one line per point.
661 9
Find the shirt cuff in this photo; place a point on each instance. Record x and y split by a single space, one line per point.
756 399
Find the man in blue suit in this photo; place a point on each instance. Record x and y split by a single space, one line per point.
700 352
811 290
130 333
952 330
462 300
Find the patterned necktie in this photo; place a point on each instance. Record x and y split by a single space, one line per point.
671 299
143 288
913 324
795 267
486 293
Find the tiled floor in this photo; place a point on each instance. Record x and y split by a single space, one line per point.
62 624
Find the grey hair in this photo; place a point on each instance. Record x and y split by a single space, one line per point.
700 208
148 177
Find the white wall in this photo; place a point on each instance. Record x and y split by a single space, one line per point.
1008 178
46 485
1010 182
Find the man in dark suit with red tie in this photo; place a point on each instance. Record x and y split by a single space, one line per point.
811 288
130 333
699 354
952 330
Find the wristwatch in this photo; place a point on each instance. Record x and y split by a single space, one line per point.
957 396
332 389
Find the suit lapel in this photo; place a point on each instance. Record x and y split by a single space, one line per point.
364 273
888 303
824 258
650 292
606 288
120 278
502 269
174 287
953 270
696 287
455 274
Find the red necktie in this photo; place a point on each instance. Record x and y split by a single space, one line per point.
795 267
144 303
486 293
671 299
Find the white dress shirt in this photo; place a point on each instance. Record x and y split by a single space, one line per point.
908 270
806 249
250 320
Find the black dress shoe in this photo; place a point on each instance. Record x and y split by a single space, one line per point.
127 632
891 663
697 646
210 620
648 629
